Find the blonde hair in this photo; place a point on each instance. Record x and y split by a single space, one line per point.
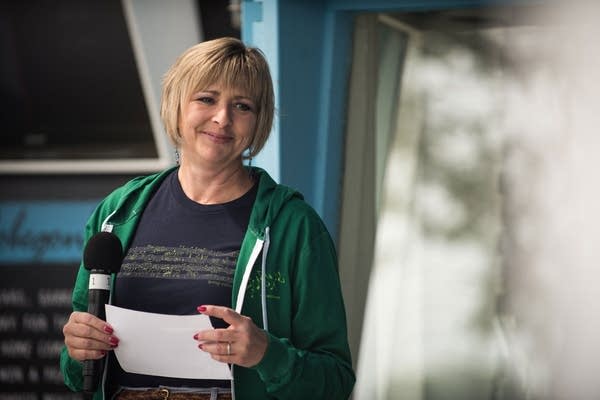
226 61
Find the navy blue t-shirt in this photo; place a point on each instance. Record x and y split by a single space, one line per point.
183 255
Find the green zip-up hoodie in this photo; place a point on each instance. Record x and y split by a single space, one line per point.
292 292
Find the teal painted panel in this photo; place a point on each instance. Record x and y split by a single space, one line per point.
43 231
260 28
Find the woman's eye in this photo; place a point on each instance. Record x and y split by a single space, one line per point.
205 100
243 107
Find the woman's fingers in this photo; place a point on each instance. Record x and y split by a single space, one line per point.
88 319
87 337
242 343
218 348
225 313
82 355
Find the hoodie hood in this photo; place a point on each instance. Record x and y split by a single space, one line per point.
129 201
270 199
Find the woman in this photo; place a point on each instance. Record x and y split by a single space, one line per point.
191 232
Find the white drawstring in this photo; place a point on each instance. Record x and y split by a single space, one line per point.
106 227
263 281
247 270
261 244
232 383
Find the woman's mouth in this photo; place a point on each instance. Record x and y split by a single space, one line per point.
217 137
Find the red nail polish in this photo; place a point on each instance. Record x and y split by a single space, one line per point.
201 308
200 346
108 329
196 336
113 341
103 352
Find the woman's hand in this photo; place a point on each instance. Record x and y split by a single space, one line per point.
242 343
87 337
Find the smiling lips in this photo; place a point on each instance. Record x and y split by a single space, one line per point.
217 138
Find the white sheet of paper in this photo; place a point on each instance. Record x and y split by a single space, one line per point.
163 345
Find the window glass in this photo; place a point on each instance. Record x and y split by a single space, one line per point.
484 282
69 86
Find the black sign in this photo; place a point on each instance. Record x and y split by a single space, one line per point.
35 303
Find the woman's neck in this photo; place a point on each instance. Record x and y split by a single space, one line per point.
214 187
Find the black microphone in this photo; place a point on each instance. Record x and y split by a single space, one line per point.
102 256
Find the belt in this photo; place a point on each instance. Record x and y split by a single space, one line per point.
166 394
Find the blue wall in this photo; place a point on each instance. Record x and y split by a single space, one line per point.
308 48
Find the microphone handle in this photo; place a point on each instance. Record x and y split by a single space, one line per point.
97 298
92 369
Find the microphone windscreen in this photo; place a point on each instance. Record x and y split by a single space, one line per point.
103 252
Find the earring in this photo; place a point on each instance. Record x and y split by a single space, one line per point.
248 157
177 156
249 169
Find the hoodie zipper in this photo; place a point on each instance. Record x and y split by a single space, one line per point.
263 283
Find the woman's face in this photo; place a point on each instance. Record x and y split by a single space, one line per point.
216 125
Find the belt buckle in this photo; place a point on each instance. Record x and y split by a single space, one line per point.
165 393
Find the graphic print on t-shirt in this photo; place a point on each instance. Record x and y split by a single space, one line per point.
150 261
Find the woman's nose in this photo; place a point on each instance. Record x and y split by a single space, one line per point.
222 115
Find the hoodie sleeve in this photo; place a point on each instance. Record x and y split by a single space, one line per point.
315 361
71 369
